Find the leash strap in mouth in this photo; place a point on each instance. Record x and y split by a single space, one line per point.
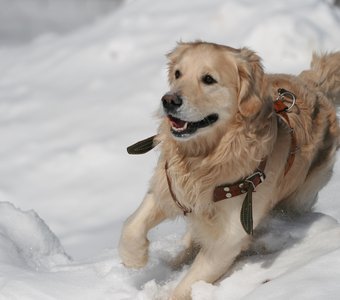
143 146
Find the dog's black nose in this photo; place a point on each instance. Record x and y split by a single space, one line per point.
171 102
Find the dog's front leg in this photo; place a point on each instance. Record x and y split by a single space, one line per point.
209 265
133 244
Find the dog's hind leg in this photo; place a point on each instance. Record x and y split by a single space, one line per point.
305 197
133 244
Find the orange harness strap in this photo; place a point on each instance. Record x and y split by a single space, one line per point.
282 110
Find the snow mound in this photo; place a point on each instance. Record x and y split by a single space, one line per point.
26 239
289 258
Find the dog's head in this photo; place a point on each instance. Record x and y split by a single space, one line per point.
209 85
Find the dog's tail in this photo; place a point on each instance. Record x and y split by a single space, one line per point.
324 74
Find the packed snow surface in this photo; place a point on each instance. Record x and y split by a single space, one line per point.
75 93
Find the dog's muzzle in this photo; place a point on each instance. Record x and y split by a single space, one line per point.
172 102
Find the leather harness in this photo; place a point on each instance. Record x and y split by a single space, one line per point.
246 185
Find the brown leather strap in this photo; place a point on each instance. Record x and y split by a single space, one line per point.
226 191
173 195
282 110
245 186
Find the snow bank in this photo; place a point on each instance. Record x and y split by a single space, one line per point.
25 238
289 258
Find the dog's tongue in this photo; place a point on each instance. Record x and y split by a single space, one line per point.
176 123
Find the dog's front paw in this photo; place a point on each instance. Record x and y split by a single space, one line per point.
133 250
181 293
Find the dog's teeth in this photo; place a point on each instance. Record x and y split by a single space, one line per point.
179 129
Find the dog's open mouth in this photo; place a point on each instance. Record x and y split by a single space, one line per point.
180 128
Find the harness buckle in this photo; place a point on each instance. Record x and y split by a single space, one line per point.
250 179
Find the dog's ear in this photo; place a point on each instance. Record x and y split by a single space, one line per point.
250 73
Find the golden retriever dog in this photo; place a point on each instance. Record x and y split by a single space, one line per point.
234 143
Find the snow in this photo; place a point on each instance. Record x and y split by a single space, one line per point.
74 94
28 239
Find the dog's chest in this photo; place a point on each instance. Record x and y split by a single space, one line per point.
192 186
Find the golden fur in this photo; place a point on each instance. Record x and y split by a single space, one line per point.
247 131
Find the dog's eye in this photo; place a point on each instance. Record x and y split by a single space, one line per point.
177 74
208 79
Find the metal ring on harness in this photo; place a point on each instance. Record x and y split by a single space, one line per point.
290 95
